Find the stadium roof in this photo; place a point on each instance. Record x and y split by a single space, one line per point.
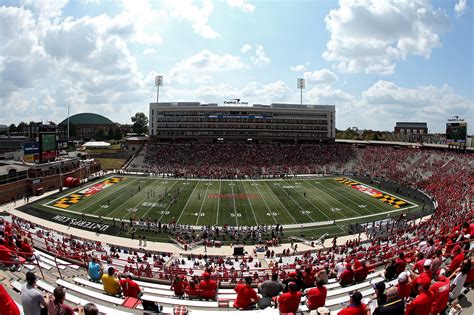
238 104
87 119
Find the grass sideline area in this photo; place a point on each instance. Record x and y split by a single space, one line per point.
110 164
314 203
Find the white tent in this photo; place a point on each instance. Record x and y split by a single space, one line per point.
96 144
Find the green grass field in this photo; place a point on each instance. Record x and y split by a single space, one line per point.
293 202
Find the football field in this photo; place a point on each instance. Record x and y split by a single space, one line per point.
292 202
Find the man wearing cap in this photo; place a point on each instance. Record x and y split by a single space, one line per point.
458 257
207 287
360 274
111 284
347 277
290 278
289 302
316 296
440 290
421 305
31 298
404 285
246 295
426 274
356 307
130 288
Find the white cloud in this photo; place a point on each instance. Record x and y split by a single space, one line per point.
298 68
198 67
385 102
46 8
242 5
198 16
371 36
149 51
245 48
460 7
323 76
253 92
260 56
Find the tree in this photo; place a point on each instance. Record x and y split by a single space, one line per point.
118 134
110 134
12 128
140 123
100 135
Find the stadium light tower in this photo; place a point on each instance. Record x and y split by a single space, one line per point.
301 85
158 83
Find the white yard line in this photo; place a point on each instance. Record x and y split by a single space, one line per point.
297 204
345 207
103 197
78 189
248 199
125 203
158 187
202 203
311 204
356 196
412 203
278 199
218 202
266 205
169 206
233 200
187 202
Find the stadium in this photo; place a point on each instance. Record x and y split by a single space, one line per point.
230 196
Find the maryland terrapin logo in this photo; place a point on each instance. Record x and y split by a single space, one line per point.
387 198
74 198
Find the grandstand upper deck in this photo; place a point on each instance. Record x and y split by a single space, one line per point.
236 122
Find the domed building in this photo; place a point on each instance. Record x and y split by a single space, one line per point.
87 126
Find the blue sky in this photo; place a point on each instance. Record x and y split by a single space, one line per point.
378 61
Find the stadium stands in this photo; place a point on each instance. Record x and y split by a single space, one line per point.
445 176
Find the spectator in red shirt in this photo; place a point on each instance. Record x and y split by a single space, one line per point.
246 295
421 305
360 274
404 285
179 286
316 297
130 288
191 290
207 287
426 274
356 306
440 290
26 250
7 306
56 306
458 257
347 277
420 260
401 263
290 301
